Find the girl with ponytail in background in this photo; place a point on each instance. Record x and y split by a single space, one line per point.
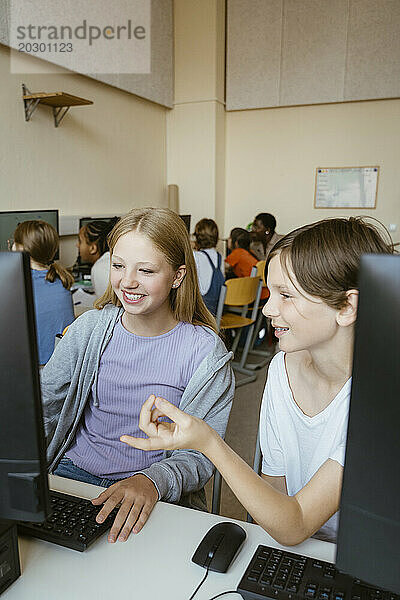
51 283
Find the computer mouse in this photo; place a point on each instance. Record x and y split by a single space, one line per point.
219 546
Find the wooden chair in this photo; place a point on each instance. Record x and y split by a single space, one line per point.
240 293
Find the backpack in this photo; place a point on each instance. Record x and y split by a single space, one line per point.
217 281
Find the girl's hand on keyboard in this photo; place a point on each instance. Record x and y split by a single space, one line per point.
137 496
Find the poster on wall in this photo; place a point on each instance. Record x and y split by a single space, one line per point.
346 187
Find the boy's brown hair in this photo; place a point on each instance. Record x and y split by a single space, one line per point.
325 256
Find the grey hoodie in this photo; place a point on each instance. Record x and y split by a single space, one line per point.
66 383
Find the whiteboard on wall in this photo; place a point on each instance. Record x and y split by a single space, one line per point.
346 187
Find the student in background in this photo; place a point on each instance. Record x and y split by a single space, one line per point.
312 274
151 331
51 283
93 250
209 265
240 260
264 236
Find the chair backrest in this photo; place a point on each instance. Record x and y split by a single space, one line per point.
241 290
260 270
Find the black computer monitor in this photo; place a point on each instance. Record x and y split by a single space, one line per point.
369 525
186 219
85 220
10 219
23 476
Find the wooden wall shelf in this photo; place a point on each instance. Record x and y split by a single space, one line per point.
60 102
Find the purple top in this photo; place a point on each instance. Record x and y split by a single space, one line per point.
131 368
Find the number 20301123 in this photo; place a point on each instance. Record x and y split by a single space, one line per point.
45 47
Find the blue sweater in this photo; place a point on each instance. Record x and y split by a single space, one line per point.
53 312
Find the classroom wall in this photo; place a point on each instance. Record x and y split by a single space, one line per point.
102 159
267 157
272 154
297 52
196 125
156 86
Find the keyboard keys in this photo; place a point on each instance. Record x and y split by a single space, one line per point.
310 591
324 594
71 523
287 576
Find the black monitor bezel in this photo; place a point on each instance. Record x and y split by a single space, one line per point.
90 219
40 488
369 528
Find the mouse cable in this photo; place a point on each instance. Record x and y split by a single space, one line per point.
200 584
214 597
224 593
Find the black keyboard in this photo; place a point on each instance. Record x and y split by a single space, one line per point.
71 523
281 575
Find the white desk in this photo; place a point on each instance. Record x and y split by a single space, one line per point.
153 565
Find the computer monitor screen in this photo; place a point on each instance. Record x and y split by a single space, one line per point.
23 475
10 219
85 220
369 528
186 219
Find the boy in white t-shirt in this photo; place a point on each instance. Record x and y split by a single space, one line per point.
295 445
312 278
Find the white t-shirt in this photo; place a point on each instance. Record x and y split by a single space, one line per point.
295 445
99 275
204 270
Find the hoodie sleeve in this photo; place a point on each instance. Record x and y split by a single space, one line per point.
184 471
60 376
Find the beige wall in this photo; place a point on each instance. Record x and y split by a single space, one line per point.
272 154
230 166
102 159
196 125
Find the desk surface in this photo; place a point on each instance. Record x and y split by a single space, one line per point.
154 564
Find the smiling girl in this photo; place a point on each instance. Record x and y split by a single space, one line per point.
151 332
312 278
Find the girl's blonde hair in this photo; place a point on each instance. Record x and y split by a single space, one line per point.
41 241
325 256
167 232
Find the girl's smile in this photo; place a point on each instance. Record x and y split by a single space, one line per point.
142 279
132 298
